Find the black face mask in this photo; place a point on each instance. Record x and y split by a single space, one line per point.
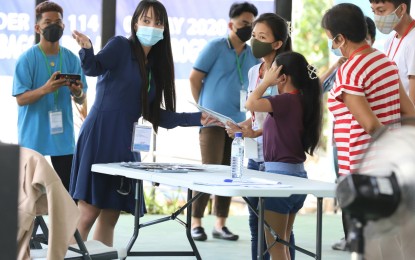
53 32
244 33
260 49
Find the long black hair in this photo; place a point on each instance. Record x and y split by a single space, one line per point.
304 78
160 58
279 28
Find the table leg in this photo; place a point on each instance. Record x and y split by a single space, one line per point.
138 191
260 228
189 225
319 227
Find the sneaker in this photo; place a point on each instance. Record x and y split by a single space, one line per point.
224 234
198 234
341 245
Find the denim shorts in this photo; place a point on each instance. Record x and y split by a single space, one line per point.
285 205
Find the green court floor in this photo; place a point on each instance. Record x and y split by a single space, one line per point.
171 236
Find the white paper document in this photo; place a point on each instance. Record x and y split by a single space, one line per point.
221 118
249 182
251 148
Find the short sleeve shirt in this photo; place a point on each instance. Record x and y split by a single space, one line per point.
375 77
222 84
258 118
404 57
283 130
32 71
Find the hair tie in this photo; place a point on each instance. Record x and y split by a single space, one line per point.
289 28
312 71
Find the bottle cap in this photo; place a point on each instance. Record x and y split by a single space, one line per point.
238 134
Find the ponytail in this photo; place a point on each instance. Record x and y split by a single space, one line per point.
304 78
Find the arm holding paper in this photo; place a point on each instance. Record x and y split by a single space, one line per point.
219 119
245 127
207 120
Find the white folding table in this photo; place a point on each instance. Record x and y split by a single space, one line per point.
213 174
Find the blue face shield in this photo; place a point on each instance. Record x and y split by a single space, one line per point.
148 36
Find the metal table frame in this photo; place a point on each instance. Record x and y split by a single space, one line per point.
317 188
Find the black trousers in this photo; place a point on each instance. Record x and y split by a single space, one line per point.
62 165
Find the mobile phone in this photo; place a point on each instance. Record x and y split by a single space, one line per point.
72 78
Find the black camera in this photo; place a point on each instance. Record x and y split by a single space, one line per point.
368 197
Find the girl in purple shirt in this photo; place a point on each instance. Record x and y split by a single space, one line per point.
291 129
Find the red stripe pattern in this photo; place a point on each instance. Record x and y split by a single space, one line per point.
375 77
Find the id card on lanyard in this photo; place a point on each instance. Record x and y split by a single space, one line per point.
56 122
55 115
243 96
141 139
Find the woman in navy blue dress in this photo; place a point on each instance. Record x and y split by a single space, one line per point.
135 78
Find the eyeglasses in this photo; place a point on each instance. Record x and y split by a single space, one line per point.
334 38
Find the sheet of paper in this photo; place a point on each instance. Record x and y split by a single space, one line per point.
251 148
163 167
221 118
250 182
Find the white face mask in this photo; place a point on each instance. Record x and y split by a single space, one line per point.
386 23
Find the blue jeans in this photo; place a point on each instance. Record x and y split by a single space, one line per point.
253 220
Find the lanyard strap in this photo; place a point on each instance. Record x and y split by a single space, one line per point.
149 80
55 94
364 47
400 41
239 65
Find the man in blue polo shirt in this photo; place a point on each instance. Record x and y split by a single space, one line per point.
218 81
45 119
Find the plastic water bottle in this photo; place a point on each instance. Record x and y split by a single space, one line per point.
237 156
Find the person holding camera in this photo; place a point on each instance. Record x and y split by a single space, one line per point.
135 78
45 119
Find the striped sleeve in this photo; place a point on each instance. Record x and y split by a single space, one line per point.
375 77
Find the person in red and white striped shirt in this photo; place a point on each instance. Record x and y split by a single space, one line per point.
367 93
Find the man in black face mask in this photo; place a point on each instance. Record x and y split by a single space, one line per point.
45 119
219 81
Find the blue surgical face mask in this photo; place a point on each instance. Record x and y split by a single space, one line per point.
337 51
148 36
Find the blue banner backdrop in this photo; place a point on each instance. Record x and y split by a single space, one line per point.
16 32
192 24
17 20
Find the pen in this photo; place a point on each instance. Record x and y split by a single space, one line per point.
227 180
